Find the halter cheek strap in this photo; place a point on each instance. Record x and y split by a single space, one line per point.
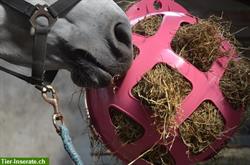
39 77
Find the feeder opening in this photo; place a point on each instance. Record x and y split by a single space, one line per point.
202 128
148 26
157 5
200 43
158 155
126 128
136 51
162 90
185 24
235 83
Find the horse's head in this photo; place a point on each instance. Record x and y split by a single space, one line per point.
92 41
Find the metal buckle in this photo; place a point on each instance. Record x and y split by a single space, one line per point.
42 10
57 117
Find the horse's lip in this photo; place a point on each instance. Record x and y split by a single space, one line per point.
94 65
99 67
79 56
86 66
98 77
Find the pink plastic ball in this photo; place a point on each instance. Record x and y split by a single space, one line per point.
153 50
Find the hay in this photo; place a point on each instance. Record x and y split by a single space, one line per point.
126 128
202 127
148 26
235 83
158 155
162 89
200 43
97 148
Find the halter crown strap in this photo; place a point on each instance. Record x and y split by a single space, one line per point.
39 75
56 10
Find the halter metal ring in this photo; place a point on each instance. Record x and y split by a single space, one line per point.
42 10
57 119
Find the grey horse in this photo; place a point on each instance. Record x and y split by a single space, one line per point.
93 41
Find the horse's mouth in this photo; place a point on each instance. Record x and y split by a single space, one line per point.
86 71
90 76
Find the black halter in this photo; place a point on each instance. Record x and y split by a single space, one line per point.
39 77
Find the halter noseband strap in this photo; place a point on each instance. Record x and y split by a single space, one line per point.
39 76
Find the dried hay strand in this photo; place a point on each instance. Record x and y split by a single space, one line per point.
162 89
235 83
158 155
126 128
97 148
200 43
202 127
148 26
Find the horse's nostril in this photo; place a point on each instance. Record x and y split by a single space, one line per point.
123 33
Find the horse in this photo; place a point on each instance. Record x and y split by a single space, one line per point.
92 41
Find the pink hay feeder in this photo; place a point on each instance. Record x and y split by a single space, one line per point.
153 50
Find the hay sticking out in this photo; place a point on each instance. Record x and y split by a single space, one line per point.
148 26
235 83
162 89
126 128
98 150
159 155
202 127
200 44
